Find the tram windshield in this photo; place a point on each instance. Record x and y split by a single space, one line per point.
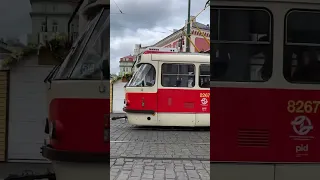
89 52
145 76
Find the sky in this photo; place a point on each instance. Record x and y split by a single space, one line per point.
146 22
15 19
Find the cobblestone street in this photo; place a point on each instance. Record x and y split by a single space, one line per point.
134 169
158 153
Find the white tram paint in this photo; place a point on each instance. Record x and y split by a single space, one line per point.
270 171
170 119
27 113
118 96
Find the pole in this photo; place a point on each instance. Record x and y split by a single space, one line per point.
188 28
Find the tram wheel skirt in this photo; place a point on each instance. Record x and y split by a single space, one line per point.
170 119
232 171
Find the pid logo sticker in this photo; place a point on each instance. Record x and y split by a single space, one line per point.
204 101
302 125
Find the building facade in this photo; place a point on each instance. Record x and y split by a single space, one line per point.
126 64
178 39
50 17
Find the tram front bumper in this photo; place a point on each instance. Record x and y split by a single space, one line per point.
138 111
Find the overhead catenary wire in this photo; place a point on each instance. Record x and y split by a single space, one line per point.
164 32
183 29
118 7
202 34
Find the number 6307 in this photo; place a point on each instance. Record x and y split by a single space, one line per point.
303 106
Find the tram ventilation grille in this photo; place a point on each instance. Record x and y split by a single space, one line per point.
253 138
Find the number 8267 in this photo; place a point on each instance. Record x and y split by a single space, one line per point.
303 106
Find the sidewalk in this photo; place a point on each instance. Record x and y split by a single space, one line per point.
18 168
117 114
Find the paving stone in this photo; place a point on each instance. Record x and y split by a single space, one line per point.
171 146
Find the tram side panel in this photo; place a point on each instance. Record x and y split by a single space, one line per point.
241 123
181 106
272 129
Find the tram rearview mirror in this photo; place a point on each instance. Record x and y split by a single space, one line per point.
105 69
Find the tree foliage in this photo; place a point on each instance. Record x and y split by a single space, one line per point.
58 46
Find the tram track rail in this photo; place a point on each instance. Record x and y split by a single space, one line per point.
159 158
161 142
156 128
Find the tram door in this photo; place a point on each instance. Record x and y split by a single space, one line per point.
176 95
149 88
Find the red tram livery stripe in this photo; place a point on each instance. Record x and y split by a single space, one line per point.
170 100
264 125
80 124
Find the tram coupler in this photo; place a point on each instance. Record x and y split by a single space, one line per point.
26 176
119 117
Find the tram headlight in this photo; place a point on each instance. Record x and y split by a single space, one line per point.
52 129
126 101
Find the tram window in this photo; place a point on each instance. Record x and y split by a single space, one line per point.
145 76
96 51
178 75
72 58
302 47
204 76
242 44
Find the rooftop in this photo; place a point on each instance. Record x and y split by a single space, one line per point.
195 24
130 58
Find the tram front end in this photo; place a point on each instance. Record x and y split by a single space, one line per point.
79 104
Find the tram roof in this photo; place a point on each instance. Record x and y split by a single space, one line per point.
177 57
212 2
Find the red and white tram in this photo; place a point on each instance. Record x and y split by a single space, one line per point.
265 87
169 89
78 102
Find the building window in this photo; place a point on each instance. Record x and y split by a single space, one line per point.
54 27
302 47
43 27
242 44
178 75
204 76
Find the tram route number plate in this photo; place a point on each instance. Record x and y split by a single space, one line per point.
300 106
